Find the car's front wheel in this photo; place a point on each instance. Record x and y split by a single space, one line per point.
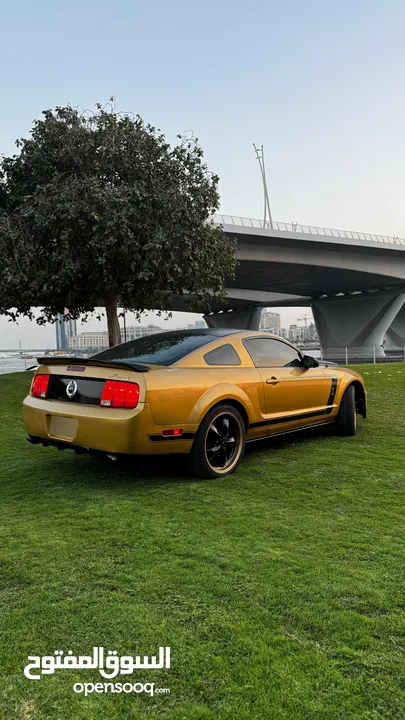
347 417
219 443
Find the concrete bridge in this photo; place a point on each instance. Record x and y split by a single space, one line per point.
353 282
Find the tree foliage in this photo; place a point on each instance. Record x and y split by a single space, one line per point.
98 209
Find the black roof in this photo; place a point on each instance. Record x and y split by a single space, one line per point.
164 348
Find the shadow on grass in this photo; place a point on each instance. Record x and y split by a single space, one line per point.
88 469
288 440
159 470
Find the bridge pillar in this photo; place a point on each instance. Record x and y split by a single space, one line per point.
395 335
355 322
246 319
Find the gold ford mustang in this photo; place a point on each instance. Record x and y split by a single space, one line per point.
200 392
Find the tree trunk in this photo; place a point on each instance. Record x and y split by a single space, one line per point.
113 326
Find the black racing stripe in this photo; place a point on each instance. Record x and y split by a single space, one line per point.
291 418
301 416
332 391
164 438
262 423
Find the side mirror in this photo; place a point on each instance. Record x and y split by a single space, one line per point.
309 362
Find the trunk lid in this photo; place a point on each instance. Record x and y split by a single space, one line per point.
79 381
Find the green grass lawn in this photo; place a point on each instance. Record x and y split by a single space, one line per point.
280 589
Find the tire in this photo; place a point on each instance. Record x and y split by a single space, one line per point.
219 443
347 417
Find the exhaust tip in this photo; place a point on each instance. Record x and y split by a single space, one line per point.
112 457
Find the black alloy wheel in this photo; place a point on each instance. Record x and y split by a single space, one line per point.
219 443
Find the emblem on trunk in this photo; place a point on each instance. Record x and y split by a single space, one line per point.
71 389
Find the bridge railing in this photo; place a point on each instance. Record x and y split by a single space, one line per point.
306 229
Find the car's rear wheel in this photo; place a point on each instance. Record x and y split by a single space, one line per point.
219 443
347 417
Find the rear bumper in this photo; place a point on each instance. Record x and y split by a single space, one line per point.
78 449
115 431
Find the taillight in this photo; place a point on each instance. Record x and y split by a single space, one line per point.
39 385
117 393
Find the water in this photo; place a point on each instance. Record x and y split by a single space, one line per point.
314 352
13 364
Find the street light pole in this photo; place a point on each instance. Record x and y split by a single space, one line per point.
260 158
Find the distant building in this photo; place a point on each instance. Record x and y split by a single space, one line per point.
89 341
65 329
71 328
312 334
198 325
137 331
62 342
293 333
307 334
271 321
99 340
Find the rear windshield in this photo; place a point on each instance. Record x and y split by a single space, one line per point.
160 349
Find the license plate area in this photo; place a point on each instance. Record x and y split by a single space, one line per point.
62 428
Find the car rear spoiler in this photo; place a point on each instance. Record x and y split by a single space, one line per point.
72 361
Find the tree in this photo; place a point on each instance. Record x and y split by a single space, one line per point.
100 210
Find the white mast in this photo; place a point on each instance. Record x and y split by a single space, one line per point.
267 212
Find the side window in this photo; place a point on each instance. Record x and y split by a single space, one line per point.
266 352
224 355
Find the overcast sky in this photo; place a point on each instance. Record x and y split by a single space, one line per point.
318 82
